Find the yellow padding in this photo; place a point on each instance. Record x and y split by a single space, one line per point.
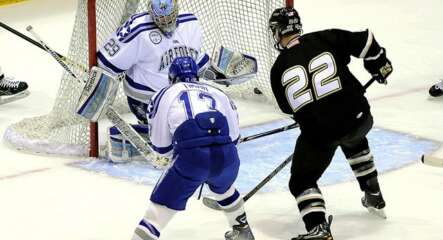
7 2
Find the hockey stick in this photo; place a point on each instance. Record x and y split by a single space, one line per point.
35 43
50 51
212 203
270 132
432 161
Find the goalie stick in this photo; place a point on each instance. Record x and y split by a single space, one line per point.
432 161
212 203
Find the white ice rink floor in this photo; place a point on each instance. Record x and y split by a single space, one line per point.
44 198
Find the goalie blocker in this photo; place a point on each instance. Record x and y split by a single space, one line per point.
99 93
97 96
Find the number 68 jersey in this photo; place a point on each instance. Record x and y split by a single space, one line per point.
311 80
173 105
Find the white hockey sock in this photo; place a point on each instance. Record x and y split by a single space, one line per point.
156 218
232 204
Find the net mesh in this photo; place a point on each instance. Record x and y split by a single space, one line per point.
238 25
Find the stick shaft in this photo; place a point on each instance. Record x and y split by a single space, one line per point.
267 178
270 132
50 51
26 38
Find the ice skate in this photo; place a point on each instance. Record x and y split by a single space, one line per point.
11 90
240 233
437 89
319 232
373 199
375 203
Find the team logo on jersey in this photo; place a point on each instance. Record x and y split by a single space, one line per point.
177 51
155 37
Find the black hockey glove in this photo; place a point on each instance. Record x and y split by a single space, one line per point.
379 66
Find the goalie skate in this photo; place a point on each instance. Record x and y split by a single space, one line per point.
11 90
211 203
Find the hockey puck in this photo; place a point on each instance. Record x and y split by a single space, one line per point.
257 91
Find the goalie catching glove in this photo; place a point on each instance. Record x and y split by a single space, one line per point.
230 68
379 66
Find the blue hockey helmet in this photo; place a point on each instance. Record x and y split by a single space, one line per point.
183 69
164 13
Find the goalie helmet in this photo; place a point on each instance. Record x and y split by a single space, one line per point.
164 13
284 22
183 69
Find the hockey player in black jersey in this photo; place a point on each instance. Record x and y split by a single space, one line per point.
11 90
311 81
436 90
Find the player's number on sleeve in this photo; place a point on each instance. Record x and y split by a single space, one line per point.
324 81
112 47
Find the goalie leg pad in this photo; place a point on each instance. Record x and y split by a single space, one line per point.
120 150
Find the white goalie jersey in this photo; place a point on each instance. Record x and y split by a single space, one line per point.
139 48
174 105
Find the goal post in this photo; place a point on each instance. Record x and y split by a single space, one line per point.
238 25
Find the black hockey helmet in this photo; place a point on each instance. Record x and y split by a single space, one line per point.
283 22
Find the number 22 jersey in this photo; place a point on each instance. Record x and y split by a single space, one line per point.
311 80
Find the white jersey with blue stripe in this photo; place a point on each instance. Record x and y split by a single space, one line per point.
145 53
173 105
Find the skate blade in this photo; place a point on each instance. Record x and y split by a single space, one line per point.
211 203
4 100
377 212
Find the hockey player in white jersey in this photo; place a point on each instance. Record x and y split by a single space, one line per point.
11 90
144 47
197 125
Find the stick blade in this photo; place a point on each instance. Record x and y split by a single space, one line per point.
432 161
211 203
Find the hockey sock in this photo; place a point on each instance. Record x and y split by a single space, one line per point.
312 207
155 219
232 204
363 166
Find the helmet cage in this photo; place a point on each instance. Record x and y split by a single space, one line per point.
164 14
284 22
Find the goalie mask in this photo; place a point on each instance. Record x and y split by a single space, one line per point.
164 13
284 22
183 69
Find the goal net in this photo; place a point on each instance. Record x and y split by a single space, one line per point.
238 25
